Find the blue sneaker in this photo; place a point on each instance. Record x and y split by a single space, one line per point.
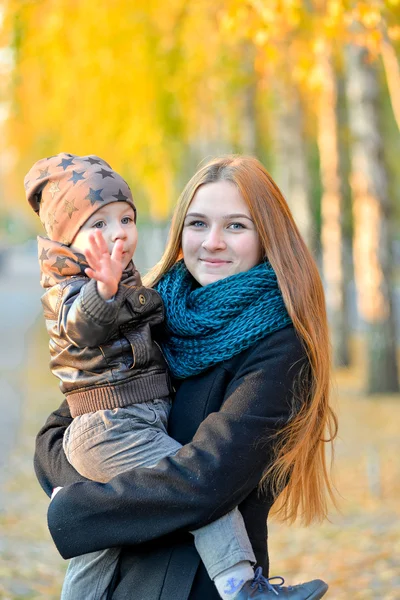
261 588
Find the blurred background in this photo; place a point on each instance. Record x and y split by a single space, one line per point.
310 87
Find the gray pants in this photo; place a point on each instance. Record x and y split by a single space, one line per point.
106 443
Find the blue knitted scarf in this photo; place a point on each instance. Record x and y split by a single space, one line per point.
210 324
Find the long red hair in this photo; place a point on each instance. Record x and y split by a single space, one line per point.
300 460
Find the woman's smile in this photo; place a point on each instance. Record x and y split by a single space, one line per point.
214 261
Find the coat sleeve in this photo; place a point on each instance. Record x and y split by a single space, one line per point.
51 465
84 318
87 321
205 479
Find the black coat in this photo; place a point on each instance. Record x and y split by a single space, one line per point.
226 417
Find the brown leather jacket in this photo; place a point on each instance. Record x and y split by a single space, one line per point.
103 352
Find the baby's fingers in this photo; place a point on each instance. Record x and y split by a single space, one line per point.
97 275
92 251
92 259
101 243
117 251
97 245
91 273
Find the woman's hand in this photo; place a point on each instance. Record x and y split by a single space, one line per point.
104 267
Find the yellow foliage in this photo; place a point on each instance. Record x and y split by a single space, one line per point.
142 83
133 82
394 32
95 78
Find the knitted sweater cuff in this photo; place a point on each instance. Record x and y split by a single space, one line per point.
96 307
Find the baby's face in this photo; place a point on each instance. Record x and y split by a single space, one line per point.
116 221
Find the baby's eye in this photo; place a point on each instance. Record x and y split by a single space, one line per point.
98 225
126 220
236 226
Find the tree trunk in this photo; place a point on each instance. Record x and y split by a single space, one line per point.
248 124
371 208
391 66
392 71
332 209
291 166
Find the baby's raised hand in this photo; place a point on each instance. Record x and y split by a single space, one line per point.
104 267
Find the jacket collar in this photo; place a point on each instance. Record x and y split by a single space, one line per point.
59 262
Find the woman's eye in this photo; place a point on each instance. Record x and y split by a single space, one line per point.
126 220
236 226
98 225
196 223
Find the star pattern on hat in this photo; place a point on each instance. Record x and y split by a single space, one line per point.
65 163
104 173
43 173
60 263
120 196
43 255
69 207
46 281
52 220
93 161
54 188
77 176
26 185
94 196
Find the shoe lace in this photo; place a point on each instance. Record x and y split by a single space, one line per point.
263 582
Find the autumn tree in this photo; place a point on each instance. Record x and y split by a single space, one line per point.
294 46
372 210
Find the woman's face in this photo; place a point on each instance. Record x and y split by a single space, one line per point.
219 237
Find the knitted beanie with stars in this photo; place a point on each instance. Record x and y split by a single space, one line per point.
65 190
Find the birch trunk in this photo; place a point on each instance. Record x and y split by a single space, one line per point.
291 166
391 66
392 72
332 209
371 214
248 124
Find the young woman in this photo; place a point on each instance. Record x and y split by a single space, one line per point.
252 397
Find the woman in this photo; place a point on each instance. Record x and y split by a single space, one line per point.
252 398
